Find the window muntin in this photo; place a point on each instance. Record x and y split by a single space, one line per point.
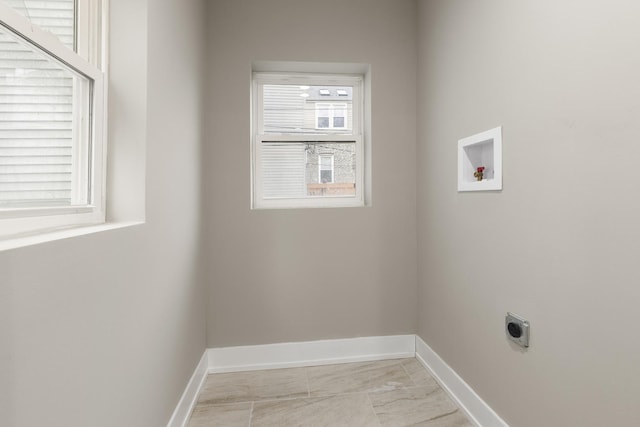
54 122
297 163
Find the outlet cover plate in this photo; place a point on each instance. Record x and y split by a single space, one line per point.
523 324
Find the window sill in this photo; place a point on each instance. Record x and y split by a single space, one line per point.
53 235
293 205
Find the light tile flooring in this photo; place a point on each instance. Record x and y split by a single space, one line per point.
384 393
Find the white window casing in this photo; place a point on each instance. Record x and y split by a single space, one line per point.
276 150
86 154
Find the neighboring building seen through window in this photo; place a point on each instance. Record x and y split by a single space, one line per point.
39 165
55 16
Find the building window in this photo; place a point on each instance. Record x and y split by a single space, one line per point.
307 150
52 130
325 169
331 116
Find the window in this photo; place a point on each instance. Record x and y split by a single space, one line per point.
51 115
331 116
325 169
307 151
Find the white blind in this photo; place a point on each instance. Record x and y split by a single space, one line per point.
283 170
36 113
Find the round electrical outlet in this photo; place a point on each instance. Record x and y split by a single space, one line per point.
514 330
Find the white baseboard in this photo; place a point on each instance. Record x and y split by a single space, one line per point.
310 353
467 399
187 402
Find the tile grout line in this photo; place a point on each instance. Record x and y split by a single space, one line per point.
437 417
251 414
409 375
375 414
306 375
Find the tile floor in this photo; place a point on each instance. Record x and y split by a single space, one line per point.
384 393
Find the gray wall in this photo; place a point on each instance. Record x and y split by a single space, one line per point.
106 329
559 245
305 274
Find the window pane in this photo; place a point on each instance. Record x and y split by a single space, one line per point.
331 169
298 109
323 122
325 162
324 110
283 170
43 147
306 170
56 16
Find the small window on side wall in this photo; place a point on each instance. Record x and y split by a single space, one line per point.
307 148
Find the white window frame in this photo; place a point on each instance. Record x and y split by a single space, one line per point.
331 107
259 137
90 60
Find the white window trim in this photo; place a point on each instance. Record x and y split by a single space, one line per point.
332 107
28 221
259 137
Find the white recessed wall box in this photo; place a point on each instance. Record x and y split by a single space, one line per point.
480 161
